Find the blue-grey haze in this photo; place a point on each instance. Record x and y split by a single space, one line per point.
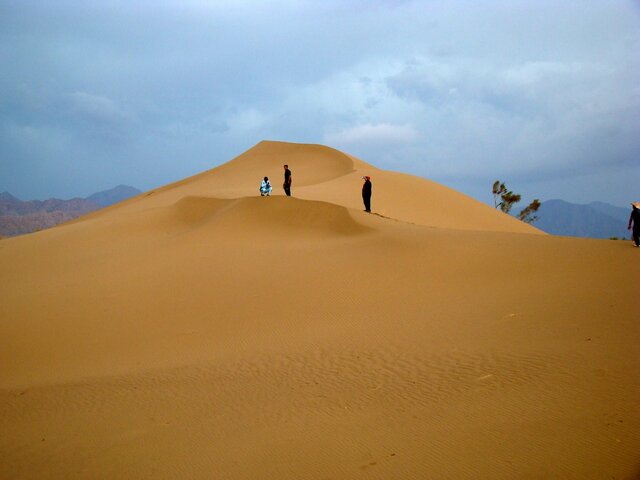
594 220
541 94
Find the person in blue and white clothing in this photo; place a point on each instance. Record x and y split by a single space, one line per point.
265 187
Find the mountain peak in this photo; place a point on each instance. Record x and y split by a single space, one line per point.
113 195
7 197
593 220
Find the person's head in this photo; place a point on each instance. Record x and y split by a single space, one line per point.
366 178
286 167
266 179
635 205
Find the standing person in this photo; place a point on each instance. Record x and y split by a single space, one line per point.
287 181
366 193
635 220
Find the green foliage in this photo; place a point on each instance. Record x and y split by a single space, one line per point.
505 199
527 214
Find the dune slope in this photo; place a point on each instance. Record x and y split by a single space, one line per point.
188 335
324 174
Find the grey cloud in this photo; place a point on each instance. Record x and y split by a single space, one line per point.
96 108
146 92
98 116
541 117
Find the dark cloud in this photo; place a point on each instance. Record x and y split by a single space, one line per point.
145 92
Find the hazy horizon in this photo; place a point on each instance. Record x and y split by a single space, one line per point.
517 206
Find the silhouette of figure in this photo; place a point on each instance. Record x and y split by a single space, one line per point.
366 193
265 187
287 181
634 219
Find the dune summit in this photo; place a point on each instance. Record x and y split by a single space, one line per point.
325 174
202 331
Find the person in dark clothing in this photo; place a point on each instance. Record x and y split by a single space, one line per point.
366 193
287 181
635 220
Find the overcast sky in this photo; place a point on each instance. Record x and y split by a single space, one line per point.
544 95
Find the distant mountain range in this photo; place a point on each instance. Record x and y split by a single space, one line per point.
557 217
593 220
18 217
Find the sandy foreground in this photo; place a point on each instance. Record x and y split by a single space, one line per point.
200 331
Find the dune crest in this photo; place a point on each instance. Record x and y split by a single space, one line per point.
313 163
327 175
241 176
265 216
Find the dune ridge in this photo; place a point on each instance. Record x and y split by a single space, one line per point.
241 175
328 175
261 217
202 331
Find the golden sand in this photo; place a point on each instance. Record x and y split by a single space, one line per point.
201 331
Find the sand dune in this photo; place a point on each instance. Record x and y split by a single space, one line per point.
261 217
201 331
324 174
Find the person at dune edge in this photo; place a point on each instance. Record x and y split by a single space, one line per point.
366 193
265 187
635 220
287 181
